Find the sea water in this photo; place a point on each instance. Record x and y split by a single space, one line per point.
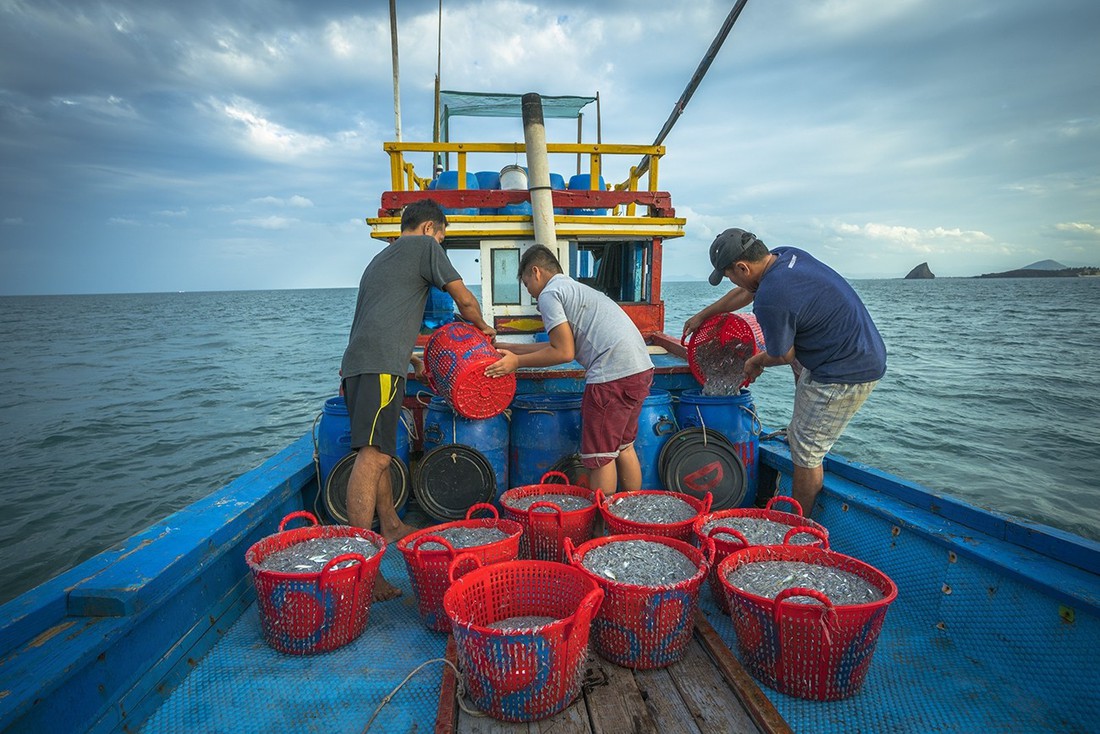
117 410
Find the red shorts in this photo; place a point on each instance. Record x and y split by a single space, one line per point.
609 417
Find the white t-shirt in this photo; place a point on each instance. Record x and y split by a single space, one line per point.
608 344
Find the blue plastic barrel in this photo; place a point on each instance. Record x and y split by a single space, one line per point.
334 435
488 181
443 426
546 427
448 180
656 424
514 178
734 416
557 183
439 309
583 182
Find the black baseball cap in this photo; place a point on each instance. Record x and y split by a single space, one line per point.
725 250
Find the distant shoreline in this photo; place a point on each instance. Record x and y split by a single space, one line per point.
1062 273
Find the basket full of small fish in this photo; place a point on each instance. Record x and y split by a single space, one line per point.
430 552
740 528
807 619
314 584
521 632
550 513
651 591
652 512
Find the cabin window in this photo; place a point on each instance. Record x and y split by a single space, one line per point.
618 269
506 283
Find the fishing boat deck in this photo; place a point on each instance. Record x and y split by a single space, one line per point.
925 676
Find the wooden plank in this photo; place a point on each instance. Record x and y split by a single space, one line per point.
618 706
664 701
758 705
446 715
574 720
713 704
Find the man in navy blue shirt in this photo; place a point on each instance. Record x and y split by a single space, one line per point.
811 318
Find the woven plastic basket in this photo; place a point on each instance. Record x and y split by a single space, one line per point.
728 541
528 674
815 651
455 359
429 569
731 331
545 531
302 613
644 627
679 530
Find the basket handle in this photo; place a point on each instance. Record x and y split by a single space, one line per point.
326 572
708 500
829 610
295 515
415 547
531 514
482 506
710 552
799 529
568 549
554 473
729 531
784 498
587 609
459 559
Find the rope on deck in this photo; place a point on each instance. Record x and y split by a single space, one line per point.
459 685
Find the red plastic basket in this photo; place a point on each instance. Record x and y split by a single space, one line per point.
679 530
730 330
303 613
644 627
428 569
728 541
455 359
815 651
544 533
530 674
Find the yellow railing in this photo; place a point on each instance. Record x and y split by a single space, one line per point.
404 178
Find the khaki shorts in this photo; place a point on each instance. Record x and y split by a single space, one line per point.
821 413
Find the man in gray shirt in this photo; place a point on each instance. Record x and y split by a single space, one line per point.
586 325
388 313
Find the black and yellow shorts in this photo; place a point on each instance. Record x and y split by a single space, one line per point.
374 406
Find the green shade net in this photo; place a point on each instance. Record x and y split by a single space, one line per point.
482 104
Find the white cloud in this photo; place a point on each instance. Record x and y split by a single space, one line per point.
272 222
123 221
266 137
1078 227
173 214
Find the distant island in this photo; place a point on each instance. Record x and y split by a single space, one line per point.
921 272
1044 269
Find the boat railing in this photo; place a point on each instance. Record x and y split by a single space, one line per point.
637 188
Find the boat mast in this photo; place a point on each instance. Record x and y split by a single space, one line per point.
438 62
396 73
696 79
538 170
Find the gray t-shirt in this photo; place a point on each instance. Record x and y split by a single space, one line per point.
390 306
608 343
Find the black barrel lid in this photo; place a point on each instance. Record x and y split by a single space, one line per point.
572 467
451 479
335 495
687 436
695 467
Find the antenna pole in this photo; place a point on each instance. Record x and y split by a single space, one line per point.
396 70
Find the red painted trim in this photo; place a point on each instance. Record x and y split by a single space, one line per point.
671 344
659 202
446 714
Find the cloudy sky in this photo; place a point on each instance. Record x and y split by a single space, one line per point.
155 145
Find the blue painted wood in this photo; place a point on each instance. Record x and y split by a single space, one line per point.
81 667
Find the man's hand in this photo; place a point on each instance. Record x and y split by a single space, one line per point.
489 332
418 367
754 367
507 364
691 325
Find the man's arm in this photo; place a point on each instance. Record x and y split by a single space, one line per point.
736 299
559 350
755 364
468 306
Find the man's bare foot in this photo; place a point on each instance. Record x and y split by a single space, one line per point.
396 533
384 590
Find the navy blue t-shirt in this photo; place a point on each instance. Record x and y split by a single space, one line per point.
802 302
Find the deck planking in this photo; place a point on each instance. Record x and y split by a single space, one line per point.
706 691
